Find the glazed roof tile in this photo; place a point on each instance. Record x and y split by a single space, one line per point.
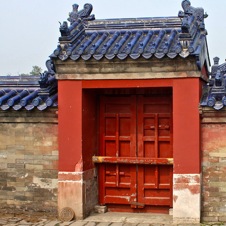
214 93
159 37
125 38
29 92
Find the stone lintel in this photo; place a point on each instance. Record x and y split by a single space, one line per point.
128 67
130 76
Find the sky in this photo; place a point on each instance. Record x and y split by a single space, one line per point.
30 28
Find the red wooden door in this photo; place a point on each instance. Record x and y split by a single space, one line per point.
155 142
135 151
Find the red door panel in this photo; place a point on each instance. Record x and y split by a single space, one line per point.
135 148
117 139
154 140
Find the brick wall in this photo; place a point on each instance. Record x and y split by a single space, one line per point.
28 161
214 166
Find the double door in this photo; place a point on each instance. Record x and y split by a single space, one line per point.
136 155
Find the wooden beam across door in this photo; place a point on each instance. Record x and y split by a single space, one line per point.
133 160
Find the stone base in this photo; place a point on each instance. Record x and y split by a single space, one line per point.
100 209
78 191
186 198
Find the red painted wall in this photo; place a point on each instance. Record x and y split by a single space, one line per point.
186 125
89 127
127 83
77 118
70 125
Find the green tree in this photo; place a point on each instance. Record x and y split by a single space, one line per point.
24 74
36 70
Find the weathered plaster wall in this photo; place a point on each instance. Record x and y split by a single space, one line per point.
213 165
78 191
186 198
28 161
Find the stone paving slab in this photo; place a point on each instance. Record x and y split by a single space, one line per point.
79 223
110 219
104 224
131 224
53 223
91 224
117 224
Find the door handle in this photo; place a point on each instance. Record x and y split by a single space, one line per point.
147 127
166 127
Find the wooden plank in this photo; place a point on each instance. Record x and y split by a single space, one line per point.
133 160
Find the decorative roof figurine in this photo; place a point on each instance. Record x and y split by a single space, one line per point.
47 81
214 94
192 23
64 30
73 16
47 76
83 14
76 17
191 15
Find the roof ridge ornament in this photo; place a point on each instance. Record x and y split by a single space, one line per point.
191 16
82 15
76 17
192 30
214 93
47 81
46 76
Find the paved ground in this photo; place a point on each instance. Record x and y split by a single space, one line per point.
107 219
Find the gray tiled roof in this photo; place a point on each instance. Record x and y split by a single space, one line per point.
86 38
123 38
214 93
29 92
159 37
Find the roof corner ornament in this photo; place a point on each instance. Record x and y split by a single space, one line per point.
48 82
215 91
82 15
216 61
192 23
191 16
47 77
64 29
76 17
